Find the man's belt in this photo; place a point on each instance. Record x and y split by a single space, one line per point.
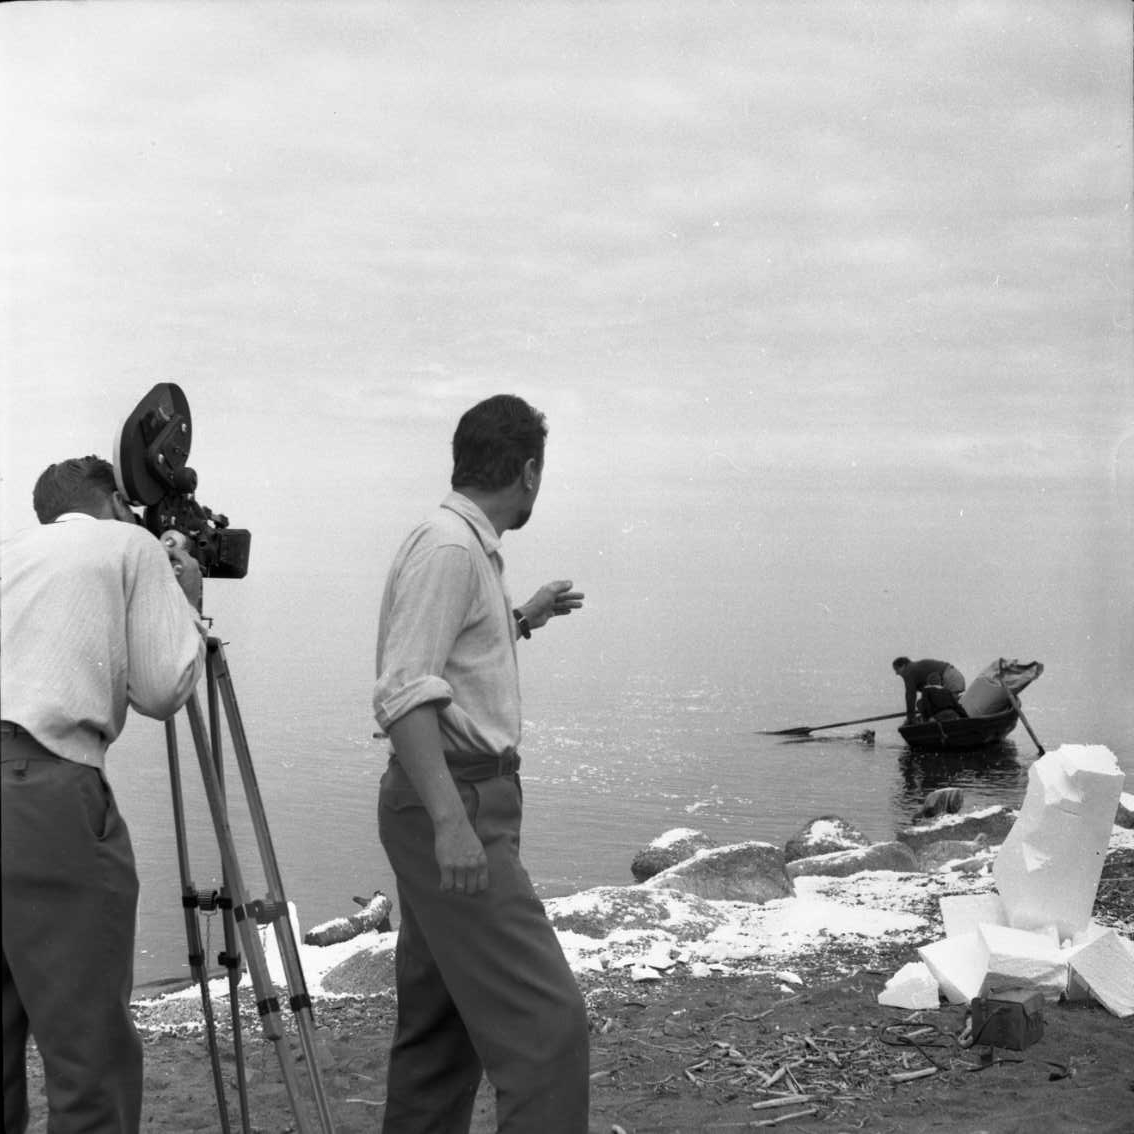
26 746
474 766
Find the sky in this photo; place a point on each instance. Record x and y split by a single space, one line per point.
722 246
827 302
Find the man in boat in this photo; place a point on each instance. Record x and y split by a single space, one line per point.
917 675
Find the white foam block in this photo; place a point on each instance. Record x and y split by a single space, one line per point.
963 913
1047 870
1018 958
1106 965
1086 936
958 964
1077 988
912 986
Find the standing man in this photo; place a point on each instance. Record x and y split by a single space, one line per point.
94 620
483 986
928 671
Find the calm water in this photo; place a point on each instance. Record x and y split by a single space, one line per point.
705 622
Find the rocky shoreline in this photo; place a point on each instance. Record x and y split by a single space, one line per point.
711 1013
702 910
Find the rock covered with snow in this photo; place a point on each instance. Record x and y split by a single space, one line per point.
651 931
368 970
993 823
743 872
878 856
668 850
825 835
603 910
951 854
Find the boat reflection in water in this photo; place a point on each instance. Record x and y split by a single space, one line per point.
991 774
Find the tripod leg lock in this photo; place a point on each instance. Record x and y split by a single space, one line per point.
262 912
229 960
268 1007
207 900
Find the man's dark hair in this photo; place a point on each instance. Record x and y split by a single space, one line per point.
900 663
493 441
81 484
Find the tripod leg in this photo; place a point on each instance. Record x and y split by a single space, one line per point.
300 1001
266 1002
190 904
230 958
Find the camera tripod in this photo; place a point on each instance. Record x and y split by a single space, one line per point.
241 916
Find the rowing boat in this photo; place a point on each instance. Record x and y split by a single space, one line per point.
961 732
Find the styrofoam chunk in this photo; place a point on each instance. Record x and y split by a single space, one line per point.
1018 958
958 964
912 986
1047 870
1086 936
1106 965
962 913
658 957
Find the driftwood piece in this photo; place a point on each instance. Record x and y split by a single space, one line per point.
374 914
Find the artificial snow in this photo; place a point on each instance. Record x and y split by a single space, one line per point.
912 986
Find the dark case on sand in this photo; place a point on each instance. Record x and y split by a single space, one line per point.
1011 1019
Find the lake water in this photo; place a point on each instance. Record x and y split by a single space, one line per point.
705 621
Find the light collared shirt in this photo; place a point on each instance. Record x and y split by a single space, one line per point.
446 633
92 620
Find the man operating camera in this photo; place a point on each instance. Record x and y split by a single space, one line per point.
94 621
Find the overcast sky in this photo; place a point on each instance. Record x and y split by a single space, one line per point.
844 240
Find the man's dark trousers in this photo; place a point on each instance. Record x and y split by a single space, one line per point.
483 986
70 896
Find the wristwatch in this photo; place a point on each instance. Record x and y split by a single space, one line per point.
522 623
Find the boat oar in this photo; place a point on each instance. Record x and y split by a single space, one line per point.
1020 713
803 730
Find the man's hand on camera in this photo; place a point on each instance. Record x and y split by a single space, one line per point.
550 600
185 567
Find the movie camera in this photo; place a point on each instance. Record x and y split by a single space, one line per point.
150 454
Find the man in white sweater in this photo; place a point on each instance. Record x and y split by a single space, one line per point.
94 621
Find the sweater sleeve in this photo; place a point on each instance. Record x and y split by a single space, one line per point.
165 640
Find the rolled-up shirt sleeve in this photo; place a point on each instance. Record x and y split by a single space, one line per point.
425 608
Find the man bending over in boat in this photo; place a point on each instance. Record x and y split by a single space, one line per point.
928 671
